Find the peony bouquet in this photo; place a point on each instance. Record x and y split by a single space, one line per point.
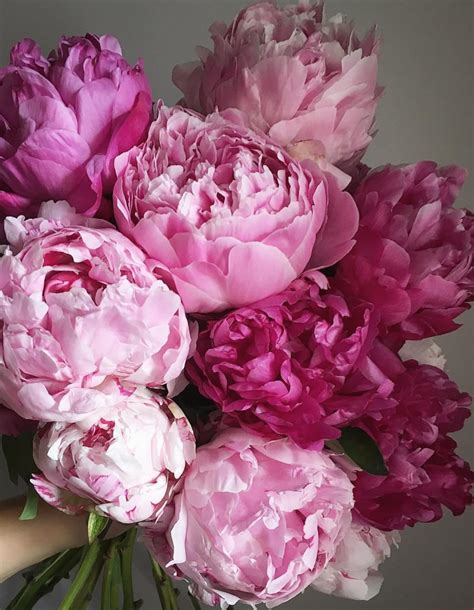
216 323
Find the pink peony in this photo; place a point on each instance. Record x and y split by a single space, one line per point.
413 436
256 520
280 361
353 571
413 258
64 119
227 213
78 305
125 461
424 352
310 84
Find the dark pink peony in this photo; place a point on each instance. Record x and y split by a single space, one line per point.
413 435
413 257
309 83
64 119
231 216
278 364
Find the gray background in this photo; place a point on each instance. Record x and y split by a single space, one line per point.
425 114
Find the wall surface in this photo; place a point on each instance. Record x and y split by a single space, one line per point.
425 114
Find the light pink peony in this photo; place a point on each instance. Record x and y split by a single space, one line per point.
256 520
353 572
64 119
278 363
413 257
227 213
414 437
309 83
79 305
125 461
424 352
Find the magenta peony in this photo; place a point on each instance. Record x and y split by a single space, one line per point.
353 571
413 257
280 361
413 436
124 462
310 84
64 119
78 305
227 213
256 520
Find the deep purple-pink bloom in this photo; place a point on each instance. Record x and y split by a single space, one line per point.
425 473
256 520
79 306
12 424
64 119
125 461
309 83
281 361
230 215
413 253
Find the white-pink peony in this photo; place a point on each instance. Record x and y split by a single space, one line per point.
353 571
125 461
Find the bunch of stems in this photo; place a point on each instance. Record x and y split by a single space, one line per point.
113 559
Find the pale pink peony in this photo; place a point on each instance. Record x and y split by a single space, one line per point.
125 461
424 352
309 83
64 119
278 363
413 256
228 214
413 435
79 305
353 572
256 520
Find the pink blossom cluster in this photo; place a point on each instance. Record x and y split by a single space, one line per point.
199 304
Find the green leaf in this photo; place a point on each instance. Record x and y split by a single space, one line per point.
96 524
18 452
30 509
362 450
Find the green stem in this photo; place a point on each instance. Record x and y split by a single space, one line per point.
194 602
43 582
83 600
110 583
164 587
126 565
92 558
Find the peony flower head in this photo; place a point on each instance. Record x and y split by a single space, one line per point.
309 83
413 253
64 119
78 306
230 216
413 435
125 461
255 521
353 572
425 351
278 363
